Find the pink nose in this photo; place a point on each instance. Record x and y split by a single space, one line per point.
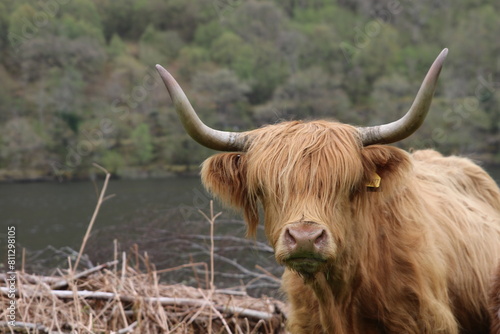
305 238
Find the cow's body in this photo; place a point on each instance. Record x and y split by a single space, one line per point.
416 256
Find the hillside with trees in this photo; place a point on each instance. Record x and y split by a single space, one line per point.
78 83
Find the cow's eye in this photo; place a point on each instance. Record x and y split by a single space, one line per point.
237 160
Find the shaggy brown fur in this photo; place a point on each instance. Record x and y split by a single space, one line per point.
415 257
495 304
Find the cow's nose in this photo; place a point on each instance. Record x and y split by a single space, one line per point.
305 237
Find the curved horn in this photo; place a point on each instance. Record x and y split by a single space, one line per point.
206 136
409 123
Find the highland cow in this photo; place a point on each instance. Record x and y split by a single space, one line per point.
373 239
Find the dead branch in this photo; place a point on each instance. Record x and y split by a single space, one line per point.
64 283
165 301
94 215
26 327
127 329
34 279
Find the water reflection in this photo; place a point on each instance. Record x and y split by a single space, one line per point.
58 214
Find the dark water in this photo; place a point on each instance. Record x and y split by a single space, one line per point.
58 214
494 173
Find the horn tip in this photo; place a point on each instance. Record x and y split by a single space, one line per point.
165 75
159 68
443 53
440 58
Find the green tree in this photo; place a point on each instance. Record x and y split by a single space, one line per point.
7 96
374 56
184 17
309 94
292 6
21 26
143 144
22 146
113 161
469 56
116 47
271 70
391 97
193 59
66 91
75 28
118 18
320 47
4 30
257 21
158 45
83 10
222 98
207 33
230 51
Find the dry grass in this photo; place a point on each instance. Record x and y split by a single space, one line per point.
120 297
128 301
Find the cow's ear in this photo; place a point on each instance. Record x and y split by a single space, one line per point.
224 175
390 163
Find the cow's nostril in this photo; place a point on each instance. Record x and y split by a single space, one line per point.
321 238
289 238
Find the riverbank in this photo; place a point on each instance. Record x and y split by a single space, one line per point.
153 172
129 173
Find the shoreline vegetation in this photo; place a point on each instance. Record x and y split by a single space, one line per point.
137 173
33 175
127 295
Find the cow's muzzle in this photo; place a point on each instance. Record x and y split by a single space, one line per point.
304 246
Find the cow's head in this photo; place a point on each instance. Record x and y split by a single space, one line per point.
307 176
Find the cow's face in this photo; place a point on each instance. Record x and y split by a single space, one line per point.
310 178
307 177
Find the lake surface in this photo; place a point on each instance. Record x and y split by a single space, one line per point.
58 214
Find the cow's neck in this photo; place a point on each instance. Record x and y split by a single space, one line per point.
337 311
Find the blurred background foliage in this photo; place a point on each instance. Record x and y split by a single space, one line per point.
78 83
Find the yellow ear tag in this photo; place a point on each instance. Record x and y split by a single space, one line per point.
374 181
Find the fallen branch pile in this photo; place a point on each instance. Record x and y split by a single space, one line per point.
103 300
